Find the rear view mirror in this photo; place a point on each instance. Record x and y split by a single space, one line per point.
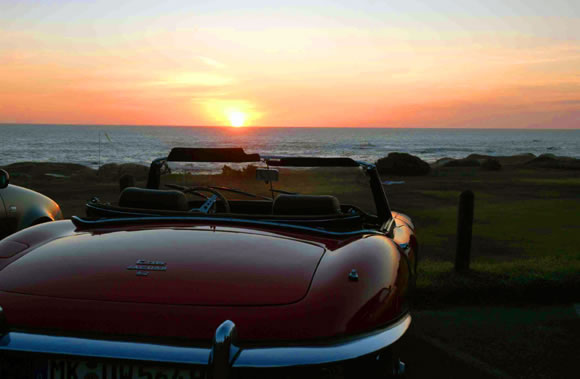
4 178
266 175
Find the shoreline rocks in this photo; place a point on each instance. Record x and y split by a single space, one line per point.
402 164
552 161
399 164
48 170
491 165
113 171
59 171
465 162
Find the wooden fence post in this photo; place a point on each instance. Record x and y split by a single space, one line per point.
464 229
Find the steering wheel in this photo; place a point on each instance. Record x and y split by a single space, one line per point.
210 202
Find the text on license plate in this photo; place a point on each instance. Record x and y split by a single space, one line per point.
78 369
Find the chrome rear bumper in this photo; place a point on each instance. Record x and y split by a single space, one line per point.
221 357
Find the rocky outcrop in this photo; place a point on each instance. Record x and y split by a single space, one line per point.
487 162
491 164
465 162
511 160
552 161
113 171
441 162
48 170
402 164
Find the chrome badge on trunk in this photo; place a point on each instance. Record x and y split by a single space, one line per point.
143 267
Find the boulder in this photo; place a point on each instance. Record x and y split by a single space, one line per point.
465 162
39 169
441 162
511 160
138 171
402 164
113 171
109 171
491 164
552 161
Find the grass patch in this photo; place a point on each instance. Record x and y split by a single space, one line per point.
552 181
523 250
445 195
515 272
544 227
539 227
536 280
451 195
550 194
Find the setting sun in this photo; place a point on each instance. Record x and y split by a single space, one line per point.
237 118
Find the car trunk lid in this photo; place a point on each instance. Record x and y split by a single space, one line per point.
179 266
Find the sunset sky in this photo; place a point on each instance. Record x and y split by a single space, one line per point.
484 64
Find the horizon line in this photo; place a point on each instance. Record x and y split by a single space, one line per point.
286 126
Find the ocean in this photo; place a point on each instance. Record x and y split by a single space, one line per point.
93 145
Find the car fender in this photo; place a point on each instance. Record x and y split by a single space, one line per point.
363 285
27 207
5 226
404 237
36 215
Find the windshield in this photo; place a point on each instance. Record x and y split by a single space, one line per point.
239 182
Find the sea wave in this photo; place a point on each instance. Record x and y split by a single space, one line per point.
441 150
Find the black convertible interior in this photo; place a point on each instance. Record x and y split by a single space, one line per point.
188 191
299 209
283 204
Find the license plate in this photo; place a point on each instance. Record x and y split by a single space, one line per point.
81 369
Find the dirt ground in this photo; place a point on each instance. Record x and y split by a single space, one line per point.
493 342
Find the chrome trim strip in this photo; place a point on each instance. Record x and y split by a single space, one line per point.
84 223
294 356
37 343
138 215
261 357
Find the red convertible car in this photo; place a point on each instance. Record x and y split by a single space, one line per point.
228 265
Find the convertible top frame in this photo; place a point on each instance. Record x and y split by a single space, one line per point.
238 155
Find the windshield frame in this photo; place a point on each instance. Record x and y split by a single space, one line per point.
237 155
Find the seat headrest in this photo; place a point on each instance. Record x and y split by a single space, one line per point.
294 205
171 200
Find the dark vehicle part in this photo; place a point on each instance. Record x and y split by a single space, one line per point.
306 284
4 178
21 207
